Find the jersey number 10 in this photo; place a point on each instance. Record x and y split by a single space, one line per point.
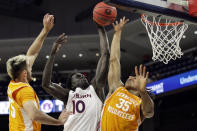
78 106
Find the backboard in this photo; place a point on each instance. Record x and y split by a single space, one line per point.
172 9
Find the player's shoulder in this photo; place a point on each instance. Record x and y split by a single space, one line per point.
119 89
13 84
111 94
16 86
27 88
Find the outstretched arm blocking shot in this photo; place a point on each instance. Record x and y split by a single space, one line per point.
114 74
54 89
99 81
33 51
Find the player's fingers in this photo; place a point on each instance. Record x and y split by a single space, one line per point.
141 70
144 71
121 20
45 16
147 74
124 18
136 71
66 39
116 22
59 45
52 20
61 36
113 24
69 112
59 39
50 17
126 21
65 36
65 110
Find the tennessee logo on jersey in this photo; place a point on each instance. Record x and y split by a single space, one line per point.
121 112
18 94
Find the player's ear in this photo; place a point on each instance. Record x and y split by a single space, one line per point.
24 73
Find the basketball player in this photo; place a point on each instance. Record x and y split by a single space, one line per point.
25 114
126 105
83 99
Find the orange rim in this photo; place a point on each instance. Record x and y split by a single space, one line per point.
161 24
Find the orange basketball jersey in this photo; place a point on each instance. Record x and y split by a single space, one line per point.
121 112
18 94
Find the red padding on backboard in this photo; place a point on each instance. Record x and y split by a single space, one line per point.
193 7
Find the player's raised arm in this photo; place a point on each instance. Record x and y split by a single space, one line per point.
100 78
114 74
33 51
147 106
52 88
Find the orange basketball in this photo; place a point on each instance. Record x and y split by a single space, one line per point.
104 14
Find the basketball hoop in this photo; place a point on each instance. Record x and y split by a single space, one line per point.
165 36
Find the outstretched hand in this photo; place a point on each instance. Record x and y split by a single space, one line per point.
119 26
58 43
141 78
64 116
48 22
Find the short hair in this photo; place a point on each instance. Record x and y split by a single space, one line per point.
15 65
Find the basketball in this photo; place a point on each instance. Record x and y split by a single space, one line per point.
104 14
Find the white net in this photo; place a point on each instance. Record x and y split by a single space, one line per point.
164 37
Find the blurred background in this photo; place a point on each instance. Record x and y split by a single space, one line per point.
174 84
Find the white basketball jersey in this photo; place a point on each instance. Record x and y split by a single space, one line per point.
86 107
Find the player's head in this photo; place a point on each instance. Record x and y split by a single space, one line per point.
18 68
130 83
79 80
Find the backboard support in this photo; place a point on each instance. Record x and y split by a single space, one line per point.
171 9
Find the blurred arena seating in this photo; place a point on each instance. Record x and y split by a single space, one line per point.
187 62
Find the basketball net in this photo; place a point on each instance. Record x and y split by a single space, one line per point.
164 37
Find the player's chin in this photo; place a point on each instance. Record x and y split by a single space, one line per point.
131 88
128 87
86 83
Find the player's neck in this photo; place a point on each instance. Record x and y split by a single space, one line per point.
84 87
24 80
134 92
